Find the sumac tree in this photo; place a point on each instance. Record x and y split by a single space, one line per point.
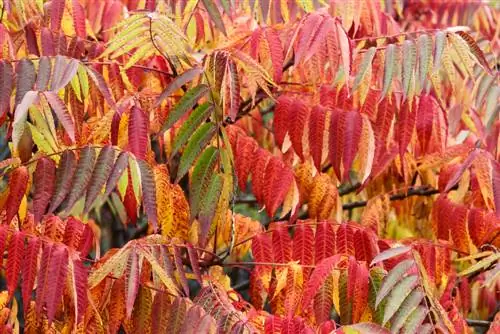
249 166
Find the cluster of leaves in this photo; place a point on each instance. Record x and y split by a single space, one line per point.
249 166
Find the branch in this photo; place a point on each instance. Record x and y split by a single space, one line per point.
478 323
419 191
246 106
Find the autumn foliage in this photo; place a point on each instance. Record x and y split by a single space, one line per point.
240 166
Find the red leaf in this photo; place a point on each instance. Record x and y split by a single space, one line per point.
344 240
80 274
459 172
281 119
30 270
73 232
278 179
324 244
298 117
319 39
496 186
86 241
282 245
303 244
345 50
262 249
336 140
277 53
261 160
14 259
308 28
148 192
245 148
18 182
405 126
254 43
425 116
362 249
357 288
138 133
56 273
130 201
458 230
352 134
44 182
273 324
385 115
317 124
328 96
477 226
320 273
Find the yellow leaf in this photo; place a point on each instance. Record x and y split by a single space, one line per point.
216 273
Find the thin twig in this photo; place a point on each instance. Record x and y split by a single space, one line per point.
419 191
478 323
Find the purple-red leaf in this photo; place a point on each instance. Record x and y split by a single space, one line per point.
44 182
79 19
56 14
64 176
62 113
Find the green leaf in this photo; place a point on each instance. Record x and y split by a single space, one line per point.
409 61
178 82
102 170
425 53
398 295
377 275
209 203
390 253
82 177
439 49
198 116
200 178
409 305
390 61
393 278
363 67
215 15
84 81
187 102
415 319
196 144
484 263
